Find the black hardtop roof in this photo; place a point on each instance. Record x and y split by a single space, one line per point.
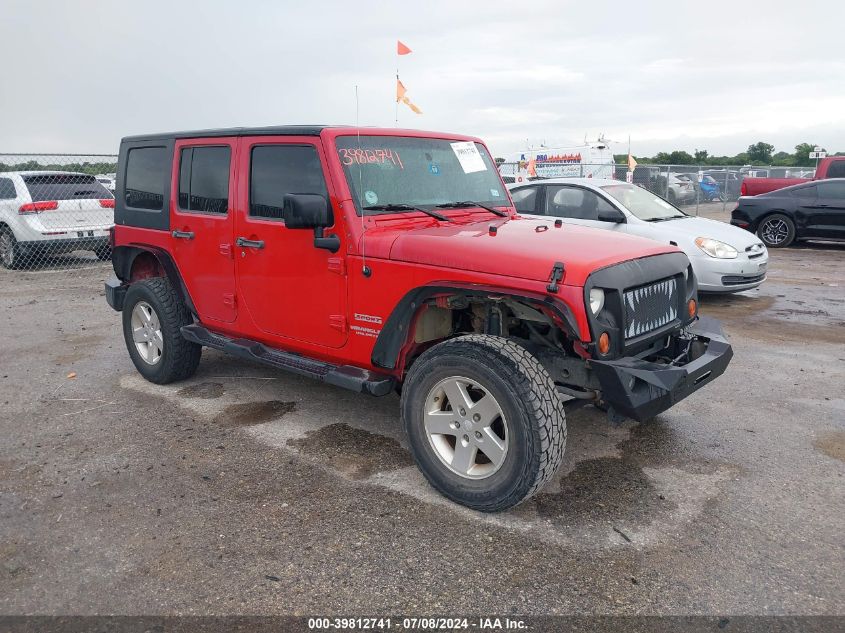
277 130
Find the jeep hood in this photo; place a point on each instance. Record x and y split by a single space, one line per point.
521 247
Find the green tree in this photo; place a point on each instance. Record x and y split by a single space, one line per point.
802 154
760 152
701 156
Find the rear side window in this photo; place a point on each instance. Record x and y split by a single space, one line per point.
276 170
802 192
64 187
204 179
836 169
831 189
7 189
146 176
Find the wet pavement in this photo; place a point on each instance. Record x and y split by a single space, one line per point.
248 491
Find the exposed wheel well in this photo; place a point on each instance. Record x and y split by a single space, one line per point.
444 316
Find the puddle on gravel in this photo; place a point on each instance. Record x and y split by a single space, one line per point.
251 413
832 444
204 390
354 452
603 490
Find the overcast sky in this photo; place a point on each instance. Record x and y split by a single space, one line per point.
674 75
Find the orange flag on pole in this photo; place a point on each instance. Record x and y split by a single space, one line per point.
400 96
401 49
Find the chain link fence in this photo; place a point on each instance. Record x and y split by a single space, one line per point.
55 213
695 188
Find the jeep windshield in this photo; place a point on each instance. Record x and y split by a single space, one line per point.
643 204
393 174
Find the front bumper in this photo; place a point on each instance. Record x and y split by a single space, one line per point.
640 389
730 275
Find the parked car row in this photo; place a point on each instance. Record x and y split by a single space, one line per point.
809 210
52 212
724 258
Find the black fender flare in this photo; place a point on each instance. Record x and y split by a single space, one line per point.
124 256
394 333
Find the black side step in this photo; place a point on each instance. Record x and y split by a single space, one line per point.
346 376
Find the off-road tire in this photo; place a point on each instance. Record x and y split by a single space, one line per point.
180 357
776 217
526 393
11 258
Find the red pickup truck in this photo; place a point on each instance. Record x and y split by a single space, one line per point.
830 167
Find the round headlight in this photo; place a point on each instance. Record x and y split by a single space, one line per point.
715 248
596 300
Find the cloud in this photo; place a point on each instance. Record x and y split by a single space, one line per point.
672 75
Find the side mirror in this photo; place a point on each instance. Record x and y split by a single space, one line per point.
306 211
310 211
611 215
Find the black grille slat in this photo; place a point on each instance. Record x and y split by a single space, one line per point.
650 307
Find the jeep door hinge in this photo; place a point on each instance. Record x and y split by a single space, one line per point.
337 265
338 322
555 276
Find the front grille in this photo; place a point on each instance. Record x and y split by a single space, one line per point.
650 307
738 280
754 251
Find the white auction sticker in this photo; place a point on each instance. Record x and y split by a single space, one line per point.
469 157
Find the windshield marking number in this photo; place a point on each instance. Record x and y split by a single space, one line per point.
370 156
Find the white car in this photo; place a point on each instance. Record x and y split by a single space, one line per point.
724 257
107 180
51 212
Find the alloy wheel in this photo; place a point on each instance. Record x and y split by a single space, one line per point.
466 427
774 231
146 333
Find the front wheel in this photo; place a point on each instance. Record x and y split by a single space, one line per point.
484 421
153 315
776 231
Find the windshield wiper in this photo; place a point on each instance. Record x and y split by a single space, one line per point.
407 207
671 217
470 203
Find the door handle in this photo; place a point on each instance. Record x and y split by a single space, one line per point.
242 241
183 235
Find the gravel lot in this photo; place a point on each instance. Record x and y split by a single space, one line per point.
248 491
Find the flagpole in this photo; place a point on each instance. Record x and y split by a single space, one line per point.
396 120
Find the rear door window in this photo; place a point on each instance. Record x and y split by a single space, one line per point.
276 170
7 189
204 179
525 199
146 177
64 187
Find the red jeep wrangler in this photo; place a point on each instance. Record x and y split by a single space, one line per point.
381 260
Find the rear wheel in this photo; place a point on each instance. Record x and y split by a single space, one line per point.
776 231
153 315
484 421
10 251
